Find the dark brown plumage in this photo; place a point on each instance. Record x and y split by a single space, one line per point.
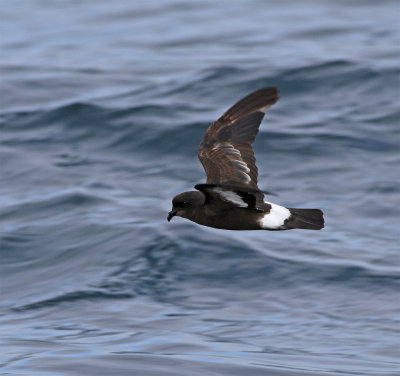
225 151
231 198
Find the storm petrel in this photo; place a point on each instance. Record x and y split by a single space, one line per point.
231 199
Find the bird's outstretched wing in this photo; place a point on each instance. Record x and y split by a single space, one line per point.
225 151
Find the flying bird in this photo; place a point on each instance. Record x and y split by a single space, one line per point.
230 199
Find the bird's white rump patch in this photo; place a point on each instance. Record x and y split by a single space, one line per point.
275 218
231 197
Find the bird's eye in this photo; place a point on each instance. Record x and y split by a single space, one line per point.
182 204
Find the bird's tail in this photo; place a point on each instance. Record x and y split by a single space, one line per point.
310 219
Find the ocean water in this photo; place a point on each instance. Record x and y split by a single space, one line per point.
103 105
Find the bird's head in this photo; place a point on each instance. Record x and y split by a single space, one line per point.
186 204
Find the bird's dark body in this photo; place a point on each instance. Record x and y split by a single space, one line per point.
231 219
228 218
231 199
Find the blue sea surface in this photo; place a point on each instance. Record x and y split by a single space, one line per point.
102 107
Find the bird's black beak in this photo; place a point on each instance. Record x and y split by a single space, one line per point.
171 214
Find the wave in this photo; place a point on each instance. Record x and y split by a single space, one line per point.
70 298
162 267
51 206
